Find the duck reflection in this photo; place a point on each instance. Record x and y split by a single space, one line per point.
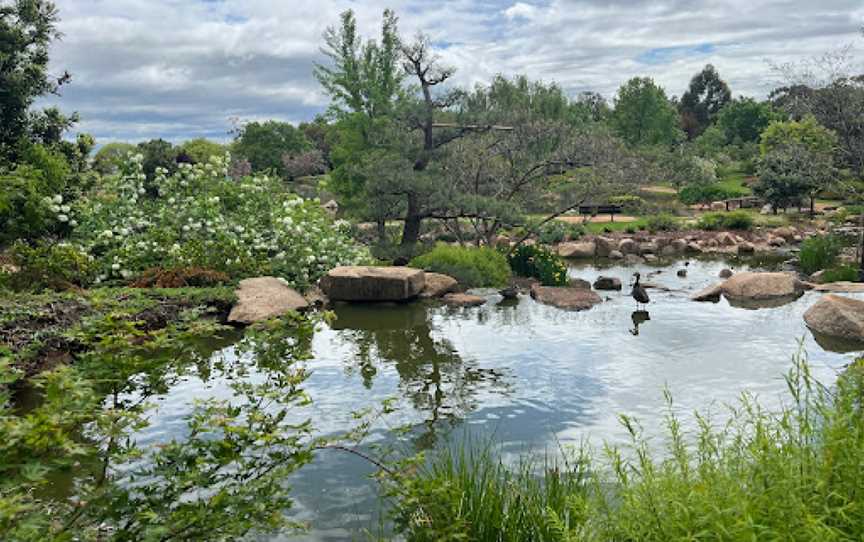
638 318
432 374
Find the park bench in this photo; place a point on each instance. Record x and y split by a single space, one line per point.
594 209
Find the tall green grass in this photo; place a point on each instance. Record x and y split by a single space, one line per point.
794 474
820 252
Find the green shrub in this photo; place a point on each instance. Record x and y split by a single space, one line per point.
34 199
48 266
556 231
472 267
203 218
733 220
819 252
841 273
662 222
540 263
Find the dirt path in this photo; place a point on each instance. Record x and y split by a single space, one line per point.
659 189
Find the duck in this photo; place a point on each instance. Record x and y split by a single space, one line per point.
639 293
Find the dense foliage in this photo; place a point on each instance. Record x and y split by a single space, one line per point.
235 456
264 144
820 252
734 220
27 28
473 267
643 114
200 217
36 197
704 99
705 193
538 262
790 173
58 266
662 222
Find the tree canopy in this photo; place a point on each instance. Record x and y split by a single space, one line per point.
743 120
643 114
27 28
201 149
361 77
703 100
807 133
264 144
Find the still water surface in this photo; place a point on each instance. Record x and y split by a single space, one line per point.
529 376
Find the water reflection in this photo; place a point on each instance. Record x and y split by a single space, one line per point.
756 304
836 344
638 318
433 376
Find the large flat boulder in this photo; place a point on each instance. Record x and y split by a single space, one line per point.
837 316
438 285
582 249
366 283
577 299
749 287
263 298
762 286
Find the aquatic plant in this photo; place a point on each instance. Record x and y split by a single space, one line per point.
819 252
794 474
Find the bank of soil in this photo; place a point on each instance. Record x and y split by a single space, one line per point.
38 329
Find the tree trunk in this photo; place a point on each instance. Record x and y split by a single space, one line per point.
861 248
413 221
382 231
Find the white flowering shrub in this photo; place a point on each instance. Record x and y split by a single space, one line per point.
202 217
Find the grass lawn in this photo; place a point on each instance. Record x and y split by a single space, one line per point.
602 227
734 182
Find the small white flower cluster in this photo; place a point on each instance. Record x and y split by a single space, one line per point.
62 212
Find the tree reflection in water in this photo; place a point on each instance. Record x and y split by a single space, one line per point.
433 376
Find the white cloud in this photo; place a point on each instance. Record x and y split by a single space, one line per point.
182 68
520 10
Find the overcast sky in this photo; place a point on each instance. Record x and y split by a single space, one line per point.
179 69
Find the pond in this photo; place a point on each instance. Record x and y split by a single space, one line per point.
527 376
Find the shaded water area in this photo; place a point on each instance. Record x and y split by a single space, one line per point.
527 376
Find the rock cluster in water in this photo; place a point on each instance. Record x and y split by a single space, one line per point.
643 246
